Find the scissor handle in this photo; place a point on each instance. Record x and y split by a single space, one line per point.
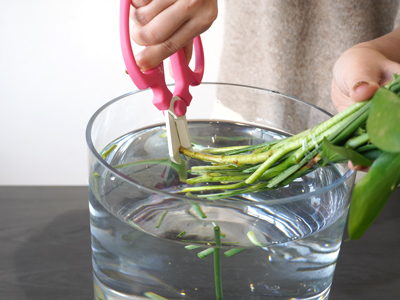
183 75
155 78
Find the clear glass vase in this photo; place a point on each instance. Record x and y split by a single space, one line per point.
149 241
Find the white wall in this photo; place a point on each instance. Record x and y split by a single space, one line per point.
59 62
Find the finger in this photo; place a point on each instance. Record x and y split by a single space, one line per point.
188 48
357 168
161 27
364 90
339 99
142 15
355 75
153 55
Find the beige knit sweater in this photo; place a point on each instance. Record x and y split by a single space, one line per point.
292 45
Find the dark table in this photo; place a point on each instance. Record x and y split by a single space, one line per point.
45 249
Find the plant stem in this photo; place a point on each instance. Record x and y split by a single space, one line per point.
252 237
161 218
214 187
198 210
108 151
357 141
234 160
233 251
217 264
191 247
205 253
154 296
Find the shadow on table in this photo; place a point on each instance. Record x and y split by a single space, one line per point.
55 263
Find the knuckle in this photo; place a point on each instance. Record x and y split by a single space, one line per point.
206 11
139 17
212 12
170 47
209 17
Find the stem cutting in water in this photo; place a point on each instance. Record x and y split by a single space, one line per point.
362 133
217 264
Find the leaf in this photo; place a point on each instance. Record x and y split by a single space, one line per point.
372 192
383 121
356 158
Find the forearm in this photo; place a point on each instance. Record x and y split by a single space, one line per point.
388 45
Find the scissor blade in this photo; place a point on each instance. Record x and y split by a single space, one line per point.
183 132
173 138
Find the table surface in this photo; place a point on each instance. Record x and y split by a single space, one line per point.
45 249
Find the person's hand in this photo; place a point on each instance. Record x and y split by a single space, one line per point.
165 26
360 71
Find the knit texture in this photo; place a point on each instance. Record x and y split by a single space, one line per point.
291 46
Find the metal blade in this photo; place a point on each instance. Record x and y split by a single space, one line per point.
173 138
183 132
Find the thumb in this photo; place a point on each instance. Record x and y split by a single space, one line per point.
367 83
358 72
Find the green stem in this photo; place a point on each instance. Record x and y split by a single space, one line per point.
212 177
224 150
321 130
161 218
205 253
357 141
198 210
234 160
366 148
182 233
191 247
154 296
233 251
217 264
250 189
108 151
214 187
281 177
351 125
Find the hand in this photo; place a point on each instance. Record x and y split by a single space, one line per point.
358 74
360 71
165 26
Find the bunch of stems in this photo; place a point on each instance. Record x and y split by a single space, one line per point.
244 169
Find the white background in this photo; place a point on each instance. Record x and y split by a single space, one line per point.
59 62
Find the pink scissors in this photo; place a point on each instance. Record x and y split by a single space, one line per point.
173 104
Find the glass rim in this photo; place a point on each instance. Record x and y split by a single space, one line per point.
122 176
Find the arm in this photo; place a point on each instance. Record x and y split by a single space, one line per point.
165 26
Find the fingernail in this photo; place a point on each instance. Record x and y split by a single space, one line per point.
359 84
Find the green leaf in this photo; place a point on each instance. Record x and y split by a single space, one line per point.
329 155
372 192
356 158
383 121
